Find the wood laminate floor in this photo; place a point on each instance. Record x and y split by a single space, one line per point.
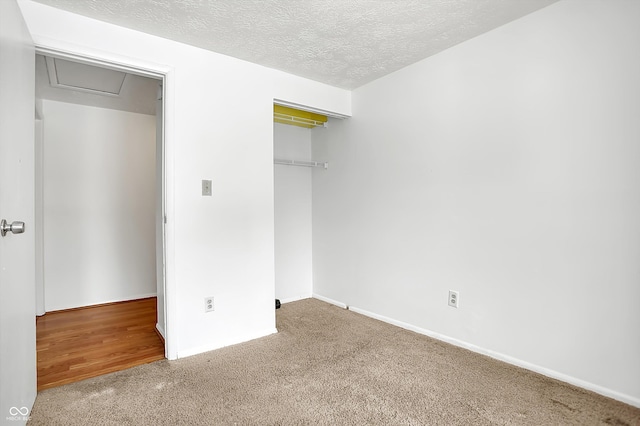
76 344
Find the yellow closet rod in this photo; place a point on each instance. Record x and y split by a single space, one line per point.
296 117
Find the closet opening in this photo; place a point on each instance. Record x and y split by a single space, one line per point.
294 168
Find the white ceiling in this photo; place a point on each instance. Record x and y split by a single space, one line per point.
344 43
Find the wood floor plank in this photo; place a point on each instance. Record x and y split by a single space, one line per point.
81 343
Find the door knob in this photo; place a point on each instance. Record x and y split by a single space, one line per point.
15 227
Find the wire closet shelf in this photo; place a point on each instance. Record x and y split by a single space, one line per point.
300 163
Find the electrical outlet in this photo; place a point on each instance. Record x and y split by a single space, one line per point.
454 298
208 304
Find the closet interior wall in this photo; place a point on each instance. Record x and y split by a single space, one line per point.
292 192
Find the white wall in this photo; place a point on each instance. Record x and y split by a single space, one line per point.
507 168
218 119
292 192
38 211
159 210
99 205
294 91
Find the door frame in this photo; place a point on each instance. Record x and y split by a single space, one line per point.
166 75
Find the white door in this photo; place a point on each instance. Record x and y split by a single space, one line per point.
17 258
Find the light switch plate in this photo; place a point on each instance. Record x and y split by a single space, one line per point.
206 188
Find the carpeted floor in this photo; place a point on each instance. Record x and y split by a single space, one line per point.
328 366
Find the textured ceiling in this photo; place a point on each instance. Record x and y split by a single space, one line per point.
338 42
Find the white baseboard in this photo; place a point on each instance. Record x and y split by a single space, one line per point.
331 301
139 296
295 299
161 331
102 302
241 339
627 399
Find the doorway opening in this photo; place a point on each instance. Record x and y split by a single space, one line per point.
100 197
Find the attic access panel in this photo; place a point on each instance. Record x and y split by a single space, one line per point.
76 76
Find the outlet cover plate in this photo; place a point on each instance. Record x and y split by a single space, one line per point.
454 298
208 304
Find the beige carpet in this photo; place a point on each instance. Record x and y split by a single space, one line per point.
328 366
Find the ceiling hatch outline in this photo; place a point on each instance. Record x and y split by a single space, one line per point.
71 75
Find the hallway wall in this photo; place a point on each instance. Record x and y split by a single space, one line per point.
99 205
